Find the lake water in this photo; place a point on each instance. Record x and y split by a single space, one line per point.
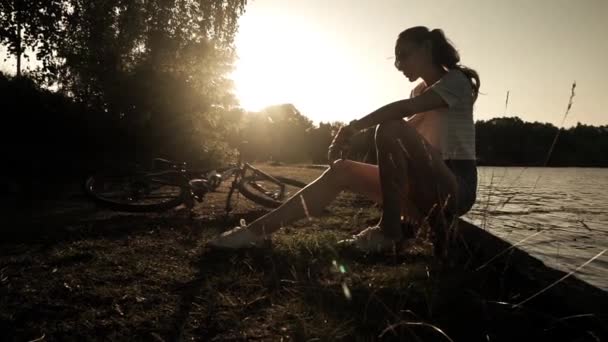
561 212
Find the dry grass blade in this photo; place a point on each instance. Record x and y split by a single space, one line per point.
575 316
402 323
562 124
306 212
585 225
487 205
157 337
561 279
403 148
506 250
41 338
570 102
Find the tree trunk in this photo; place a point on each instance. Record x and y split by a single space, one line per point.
18 42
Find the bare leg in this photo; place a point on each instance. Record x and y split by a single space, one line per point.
344 175
309 201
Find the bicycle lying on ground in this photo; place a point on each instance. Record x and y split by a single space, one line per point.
169 184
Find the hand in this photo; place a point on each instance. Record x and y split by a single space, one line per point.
340 144
336 152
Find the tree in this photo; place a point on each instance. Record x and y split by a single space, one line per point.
32 24
279 133
155 70
158 67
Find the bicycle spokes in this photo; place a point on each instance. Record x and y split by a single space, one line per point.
267 188
134 191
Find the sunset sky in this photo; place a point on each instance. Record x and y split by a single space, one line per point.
334 59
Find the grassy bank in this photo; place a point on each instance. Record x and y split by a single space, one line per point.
80 273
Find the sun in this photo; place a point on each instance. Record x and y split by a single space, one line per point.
268 71
281 60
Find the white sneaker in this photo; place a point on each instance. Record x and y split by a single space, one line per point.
237 238
370 239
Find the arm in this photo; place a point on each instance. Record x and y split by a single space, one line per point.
426 101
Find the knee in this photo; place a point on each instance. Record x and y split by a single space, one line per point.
389 130
338 171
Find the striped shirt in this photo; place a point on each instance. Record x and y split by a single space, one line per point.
450 130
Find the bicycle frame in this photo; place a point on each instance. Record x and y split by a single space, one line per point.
239 173
181 176
142 184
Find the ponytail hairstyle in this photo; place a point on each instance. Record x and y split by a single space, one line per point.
442 50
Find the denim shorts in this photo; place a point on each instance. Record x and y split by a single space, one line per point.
466 176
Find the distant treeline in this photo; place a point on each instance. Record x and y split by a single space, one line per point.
510 141
505 141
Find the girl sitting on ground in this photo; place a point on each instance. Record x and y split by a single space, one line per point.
425 148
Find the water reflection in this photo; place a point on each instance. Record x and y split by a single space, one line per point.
569 206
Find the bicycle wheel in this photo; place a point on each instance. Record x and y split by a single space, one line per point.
266 192
134 193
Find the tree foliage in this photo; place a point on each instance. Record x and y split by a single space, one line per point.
155 69
33 25
511 141
278 133
189 39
